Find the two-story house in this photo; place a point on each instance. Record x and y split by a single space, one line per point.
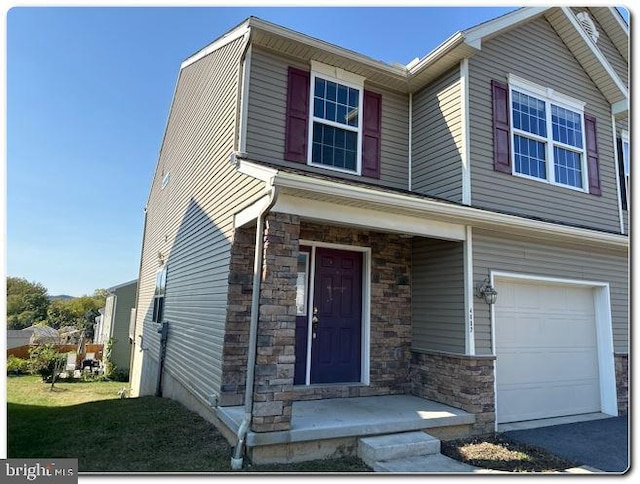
325 232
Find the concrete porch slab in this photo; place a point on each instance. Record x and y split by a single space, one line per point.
352 417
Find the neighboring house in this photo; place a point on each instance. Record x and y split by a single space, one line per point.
18 337
113 322
387 204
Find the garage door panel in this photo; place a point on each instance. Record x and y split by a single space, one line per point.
546 351
540 367
529 403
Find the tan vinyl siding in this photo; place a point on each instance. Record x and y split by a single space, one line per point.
536 53
266 122
191 221
437 297
502 252
609 50
437 139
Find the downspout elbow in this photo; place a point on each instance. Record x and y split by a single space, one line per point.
238 452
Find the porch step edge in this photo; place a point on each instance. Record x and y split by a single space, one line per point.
396 446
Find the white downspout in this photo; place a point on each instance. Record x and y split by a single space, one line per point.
410 139
237 457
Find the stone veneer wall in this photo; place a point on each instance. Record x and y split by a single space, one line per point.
461 381
390 314
622 382
390 334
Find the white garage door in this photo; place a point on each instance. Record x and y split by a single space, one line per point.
546 351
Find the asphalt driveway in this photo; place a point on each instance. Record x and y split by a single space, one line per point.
603 444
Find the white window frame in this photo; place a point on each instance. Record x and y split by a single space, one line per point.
549 97
340 76
624 136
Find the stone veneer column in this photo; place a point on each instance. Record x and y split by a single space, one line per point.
236 335
275 358
622 382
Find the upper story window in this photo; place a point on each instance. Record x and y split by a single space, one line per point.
548 135
332 121
336 131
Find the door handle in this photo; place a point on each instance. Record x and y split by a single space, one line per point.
314 322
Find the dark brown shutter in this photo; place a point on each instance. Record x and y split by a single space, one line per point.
371 127
623 178
501 135
593 166
297 127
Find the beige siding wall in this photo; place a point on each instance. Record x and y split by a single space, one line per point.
536 53
190 222
437 285
607 47
266 122
437 139
494 251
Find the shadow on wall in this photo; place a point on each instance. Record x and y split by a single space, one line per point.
194 305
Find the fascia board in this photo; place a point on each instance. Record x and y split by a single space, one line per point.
455 213
239 31
325 46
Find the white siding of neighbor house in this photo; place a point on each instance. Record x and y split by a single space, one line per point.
190 221
267 120
535 52
494 251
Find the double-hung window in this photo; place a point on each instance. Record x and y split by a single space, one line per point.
335 123
548 135
158 297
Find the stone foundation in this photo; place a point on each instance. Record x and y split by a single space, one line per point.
622 382
465 382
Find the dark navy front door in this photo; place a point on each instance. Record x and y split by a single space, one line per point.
337 310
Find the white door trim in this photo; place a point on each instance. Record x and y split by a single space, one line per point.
366 304
604 334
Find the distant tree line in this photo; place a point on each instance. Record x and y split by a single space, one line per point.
28 303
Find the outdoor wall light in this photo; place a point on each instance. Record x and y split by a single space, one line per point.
487 292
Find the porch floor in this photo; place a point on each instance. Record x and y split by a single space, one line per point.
352 417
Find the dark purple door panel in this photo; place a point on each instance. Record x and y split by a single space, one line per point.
336 339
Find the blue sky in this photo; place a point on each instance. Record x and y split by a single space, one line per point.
88 95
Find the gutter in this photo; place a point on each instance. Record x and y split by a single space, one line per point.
237 457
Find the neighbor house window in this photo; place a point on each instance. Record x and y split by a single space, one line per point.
335 134
158 297
548 135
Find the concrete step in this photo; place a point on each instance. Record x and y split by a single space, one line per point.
433 463
396 446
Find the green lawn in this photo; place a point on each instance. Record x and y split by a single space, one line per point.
89 422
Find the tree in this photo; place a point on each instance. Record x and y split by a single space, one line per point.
60 314
27 303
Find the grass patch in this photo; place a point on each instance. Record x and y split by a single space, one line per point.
499 453
87 421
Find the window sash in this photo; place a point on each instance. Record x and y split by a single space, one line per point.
313 119
552 165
